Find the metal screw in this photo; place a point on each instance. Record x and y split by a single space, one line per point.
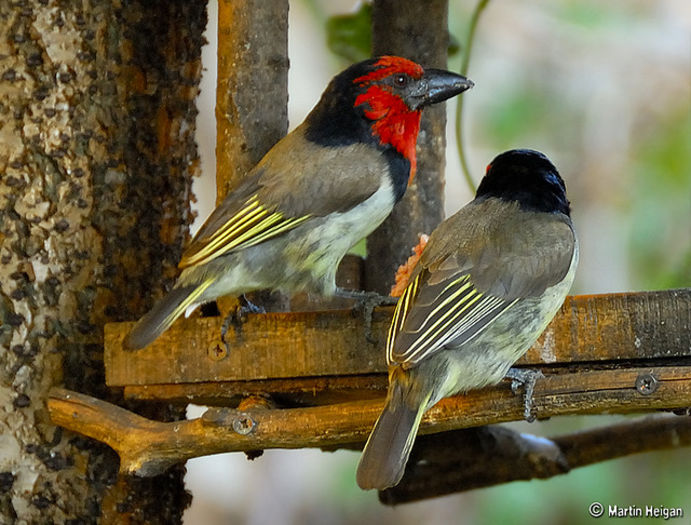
243 424
216 352
646 384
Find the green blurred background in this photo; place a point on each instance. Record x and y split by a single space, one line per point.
604 89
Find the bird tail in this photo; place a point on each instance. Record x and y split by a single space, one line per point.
164 314
385 455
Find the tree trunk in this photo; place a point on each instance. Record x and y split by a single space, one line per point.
96 159
418 31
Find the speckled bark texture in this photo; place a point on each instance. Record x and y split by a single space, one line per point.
418 31
96 159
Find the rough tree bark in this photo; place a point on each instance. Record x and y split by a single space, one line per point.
96 159
419 31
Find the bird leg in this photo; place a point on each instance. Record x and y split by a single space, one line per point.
526 378
238 316
366 303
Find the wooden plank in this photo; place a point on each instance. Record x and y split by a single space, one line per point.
589 328
290 392
148 447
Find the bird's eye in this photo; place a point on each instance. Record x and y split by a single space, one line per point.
400 80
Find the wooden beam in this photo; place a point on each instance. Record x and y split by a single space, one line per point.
148 447
289 392
589 328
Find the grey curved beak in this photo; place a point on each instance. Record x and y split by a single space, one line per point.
437 85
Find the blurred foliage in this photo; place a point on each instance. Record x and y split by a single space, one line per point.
349 36
592 14
660 233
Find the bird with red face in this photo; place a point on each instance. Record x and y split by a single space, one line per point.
316 193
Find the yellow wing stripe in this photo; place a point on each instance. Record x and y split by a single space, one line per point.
443 303
399 314
254 229
245 218
251 209
249 226
460 307
280 228
431 334
401 311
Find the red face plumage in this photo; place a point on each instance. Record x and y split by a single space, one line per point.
394 122
387 66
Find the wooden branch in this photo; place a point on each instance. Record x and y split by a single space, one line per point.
147 447
303 348
473 458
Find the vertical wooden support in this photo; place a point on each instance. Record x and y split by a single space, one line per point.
251 94
419 31
252 90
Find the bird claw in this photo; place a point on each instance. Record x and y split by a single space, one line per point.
526 378
238 317
366 302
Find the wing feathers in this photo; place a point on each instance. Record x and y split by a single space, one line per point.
250 225
455 314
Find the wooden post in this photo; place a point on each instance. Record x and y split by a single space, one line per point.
419 31
251 99
252 90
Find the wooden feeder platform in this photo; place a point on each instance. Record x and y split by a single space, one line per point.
312 379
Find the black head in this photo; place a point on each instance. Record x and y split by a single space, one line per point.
528 177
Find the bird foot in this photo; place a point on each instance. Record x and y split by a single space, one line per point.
238 317
366 302
527 379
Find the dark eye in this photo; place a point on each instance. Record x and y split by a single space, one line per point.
400 80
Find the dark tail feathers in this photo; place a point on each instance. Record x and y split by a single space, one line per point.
160 317
384 458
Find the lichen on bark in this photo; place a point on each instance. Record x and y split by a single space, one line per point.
96 157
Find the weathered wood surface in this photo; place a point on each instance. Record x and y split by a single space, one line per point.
252 90
147 447
589 328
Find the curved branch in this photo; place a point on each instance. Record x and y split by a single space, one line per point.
149 447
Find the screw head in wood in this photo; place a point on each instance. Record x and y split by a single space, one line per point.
216 351
646 384
243 424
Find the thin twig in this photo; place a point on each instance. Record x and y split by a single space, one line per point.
467 48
